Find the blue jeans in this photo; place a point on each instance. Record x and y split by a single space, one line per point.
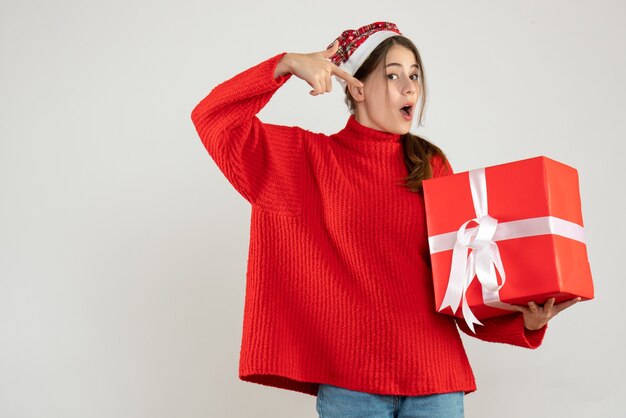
336 402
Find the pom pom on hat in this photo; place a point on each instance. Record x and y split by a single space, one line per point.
356 45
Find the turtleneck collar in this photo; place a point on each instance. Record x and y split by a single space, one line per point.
354 130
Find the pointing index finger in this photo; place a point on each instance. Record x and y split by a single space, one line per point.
346 76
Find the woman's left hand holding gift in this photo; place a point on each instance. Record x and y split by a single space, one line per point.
536 316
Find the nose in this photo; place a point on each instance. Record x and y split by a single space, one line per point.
409 86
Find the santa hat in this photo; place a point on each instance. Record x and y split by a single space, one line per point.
356 45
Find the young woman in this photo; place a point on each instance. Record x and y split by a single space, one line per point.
339 300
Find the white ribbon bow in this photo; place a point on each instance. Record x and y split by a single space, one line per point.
484 256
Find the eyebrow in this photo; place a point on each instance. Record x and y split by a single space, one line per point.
395 63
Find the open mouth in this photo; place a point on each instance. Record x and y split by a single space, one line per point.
407 112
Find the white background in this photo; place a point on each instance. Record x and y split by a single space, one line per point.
123 249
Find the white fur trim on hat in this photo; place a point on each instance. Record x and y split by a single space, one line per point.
364 50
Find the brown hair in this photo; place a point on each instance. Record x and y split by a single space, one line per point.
417 150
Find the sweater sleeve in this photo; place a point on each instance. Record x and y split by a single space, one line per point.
260 160
506 329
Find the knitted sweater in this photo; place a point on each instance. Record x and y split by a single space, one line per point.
338 284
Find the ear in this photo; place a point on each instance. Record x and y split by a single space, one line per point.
357 93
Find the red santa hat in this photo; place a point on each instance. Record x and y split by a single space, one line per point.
356 45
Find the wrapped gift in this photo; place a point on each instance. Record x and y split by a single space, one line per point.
505 235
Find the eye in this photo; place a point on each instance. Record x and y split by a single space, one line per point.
412 77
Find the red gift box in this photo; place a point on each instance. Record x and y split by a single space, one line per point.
505 235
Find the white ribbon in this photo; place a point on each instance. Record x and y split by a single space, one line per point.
484 258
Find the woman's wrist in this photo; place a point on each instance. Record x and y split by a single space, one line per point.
284 66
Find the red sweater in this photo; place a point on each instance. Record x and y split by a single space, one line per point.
338 285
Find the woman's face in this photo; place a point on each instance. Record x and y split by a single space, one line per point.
401 81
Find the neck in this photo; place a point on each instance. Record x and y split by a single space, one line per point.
355 130
363 119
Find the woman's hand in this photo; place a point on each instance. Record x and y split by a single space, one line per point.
536 316
314 68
